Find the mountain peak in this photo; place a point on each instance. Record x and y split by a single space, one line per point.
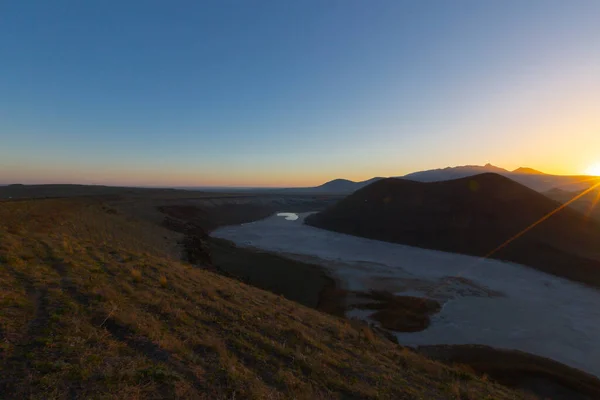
469 215
526 170
492 167
450 173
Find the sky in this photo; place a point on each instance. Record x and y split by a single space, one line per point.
294 93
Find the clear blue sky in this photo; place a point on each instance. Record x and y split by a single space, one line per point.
293 92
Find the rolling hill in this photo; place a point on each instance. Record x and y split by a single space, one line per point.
529 177
344 185
474 216
333 187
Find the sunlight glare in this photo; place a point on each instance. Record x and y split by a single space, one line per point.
594 170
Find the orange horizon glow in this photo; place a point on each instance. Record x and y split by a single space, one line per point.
519 87
163 178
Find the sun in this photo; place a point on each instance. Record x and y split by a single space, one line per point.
594 170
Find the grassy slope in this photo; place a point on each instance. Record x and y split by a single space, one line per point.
548 378
95 304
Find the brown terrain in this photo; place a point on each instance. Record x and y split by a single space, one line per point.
124 296
399 313
476 216
547 378
97 303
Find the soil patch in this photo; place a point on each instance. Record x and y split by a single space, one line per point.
400 313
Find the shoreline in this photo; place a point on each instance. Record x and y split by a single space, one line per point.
517 369
308 284
490 302
321 289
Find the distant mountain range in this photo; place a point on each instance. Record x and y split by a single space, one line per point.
472 215
525 170
449 173
529 177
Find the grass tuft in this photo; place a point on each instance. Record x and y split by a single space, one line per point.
163 281
136 274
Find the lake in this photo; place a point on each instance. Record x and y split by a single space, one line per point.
488 302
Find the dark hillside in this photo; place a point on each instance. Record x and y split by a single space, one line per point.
473 216
588 204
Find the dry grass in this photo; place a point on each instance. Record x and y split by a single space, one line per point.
136 274
545 377
163 281
77 321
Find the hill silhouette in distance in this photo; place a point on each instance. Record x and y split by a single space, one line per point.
529 177
473 216
526 170
532 178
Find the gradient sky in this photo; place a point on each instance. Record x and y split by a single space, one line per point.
293 93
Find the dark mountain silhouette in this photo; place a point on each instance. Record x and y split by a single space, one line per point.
336 186
472 215
344 185
449 173
525 170
526 176
529 177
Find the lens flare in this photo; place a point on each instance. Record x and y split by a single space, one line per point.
594 170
